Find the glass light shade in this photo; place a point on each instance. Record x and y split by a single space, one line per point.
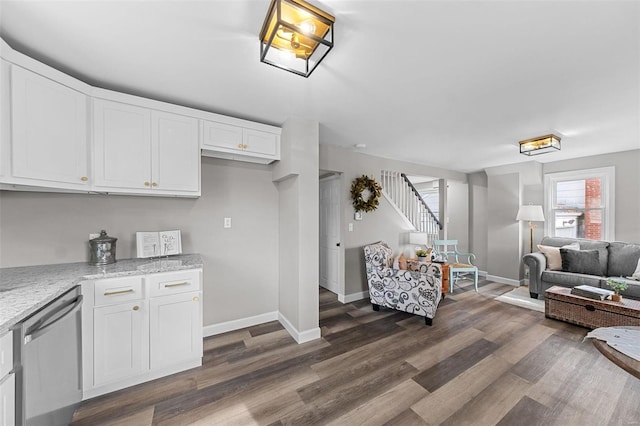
540 145
530 213
295 36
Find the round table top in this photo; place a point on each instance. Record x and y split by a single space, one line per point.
618 358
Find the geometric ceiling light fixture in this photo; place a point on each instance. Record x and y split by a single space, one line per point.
540 145
295 36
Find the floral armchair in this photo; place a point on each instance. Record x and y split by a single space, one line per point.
414 291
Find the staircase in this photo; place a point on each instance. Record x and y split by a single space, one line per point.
397 188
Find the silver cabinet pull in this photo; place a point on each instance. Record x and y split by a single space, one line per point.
113 293
176 284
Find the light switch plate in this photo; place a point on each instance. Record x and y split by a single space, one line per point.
227 222
351 227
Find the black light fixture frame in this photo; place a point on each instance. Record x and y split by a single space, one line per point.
279 22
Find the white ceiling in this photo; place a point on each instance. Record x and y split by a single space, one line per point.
451 84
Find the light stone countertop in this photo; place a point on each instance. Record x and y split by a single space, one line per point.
26 289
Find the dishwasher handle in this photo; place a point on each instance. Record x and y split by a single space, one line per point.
38 331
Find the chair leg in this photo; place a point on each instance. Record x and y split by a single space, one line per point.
451 283
428 321
475 280
375 307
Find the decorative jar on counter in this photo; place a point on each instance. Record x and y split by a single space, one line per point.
103 249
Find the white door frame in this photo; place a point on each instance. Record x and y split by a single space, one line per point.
340 262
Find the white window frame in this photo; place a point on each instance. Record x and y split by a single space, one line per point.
607 176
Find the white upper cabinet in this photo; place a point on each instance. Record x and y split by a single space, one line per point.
144 151
240 143
48 132
122 146
176 153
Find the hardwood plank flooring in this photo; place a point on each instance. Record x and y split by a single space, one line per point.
482 362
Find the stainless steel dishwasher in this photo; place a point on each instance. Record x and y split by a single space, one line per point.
49 363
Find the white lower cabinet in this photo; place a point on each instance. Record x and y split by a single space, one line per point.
140 328
120 344
176 329
7 381
8 400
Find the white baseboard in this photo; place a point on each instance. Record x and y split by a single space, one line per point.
299 336
502 280
353 297
223 327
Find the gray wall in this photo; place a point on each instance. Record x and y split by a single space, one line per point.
494 200
381 224
297 174
627 194
478 218
44 228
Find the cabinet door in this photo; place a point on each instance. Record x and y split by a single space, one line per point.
263 143
7 400
176 329
120 339
219 135
122 146
176 153
49 130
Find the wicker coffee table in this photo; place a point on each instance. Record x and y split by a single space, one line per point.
560 304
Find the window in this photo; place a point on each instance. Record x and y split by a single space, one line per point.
580 204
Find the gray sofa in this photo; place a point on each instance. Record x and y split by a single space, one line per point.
616 259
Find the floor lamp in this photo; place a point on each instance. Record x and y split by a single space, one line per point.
530 213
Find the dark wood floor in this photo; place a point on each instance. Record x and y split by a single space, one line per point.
482 362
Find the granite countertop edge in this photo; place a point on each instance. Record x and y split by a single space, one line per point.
26 289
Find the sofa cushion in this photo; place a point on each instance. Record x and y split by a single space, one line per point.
580 261
554 260
570 279
603 253
623 259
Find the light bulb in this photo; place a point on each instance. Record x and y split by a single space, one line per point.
308 27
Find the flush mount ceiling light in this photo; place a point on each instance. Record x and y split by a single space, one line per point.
295 36
540 145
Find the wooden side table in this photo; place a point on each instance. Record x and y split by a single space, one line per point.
445 278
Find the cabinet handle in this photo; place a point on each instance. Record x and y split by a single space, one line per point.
135 308
113 293
196 299
154 184
240 146
176 284
84 178
147 184
245 146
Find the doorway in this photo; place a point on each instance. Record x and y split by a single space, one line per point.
330 234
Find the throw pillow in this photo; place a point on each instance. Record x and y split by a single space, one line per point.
554 261
636 274
580 261
402 262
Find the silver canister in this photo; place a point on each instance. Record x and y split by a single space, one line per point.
103 249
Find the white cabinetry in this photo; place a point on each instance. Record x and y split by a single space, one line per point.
49 139
239 143
140 328
7 381
140 150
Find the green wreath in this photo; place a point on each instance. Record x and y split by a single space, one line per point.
357 188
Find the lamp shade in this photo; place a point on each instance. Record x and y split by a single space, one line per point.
419 238
295 36
531 213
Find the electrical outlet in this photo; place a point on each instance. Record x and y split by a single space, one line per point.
227 222
93 236
351 227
